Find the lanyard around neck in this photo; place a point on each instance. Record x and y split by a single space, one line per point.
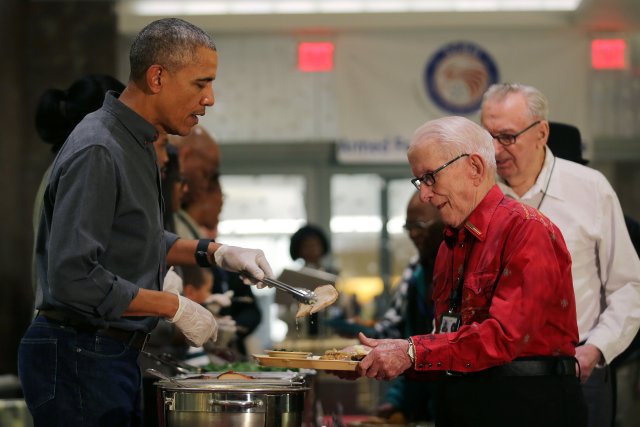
544 193
455 299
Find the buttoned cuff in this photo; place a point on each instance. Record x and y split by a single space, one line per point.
433 353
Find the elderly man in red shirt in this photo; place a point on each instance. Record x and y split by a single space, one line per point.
506 325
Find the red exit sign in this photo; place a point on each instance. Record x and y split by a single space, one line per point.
608 54
315 56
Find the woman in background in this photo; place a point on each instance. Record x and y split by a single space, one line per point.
57 114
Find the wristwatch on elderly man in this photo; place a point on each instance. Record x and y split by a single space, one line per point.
411 351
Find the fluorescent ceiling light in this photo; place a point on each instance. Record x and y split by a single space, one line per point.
386 6
301 6
253 7
477 5
332 6
250 7
431 5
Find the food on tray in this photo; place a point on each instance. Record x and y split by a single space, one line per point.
307 363
232 375
325 296
335 355
356 352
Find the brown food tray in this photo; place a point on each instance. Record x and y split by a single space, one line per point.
288 354
312 362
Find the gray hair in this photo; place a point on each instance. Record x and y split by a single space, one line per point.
170 42
455 136
537 103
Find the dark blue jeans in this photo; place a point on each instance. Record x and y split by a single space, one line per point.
74 378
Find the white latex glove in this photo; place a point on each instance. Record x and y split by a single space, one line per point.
196 322
223 300
172 282
239 260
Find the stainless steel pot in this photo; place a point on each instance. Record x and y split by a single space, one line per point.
262 402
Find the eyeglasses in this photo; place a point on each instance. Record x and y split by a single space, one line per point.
510 139
429 178
417 225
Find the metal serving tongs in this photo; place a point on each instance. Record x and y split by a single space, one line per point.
162 376
303 295
168 360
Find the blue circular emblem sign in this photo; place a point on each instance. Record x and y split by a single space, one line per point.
457 76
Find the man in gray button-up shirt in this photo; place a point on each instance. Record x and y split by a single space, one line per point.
101 250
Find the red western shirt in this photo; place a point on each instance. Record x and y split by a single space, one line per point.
517 292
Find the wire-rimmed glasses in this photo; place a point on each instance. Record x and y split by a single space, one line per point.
429 178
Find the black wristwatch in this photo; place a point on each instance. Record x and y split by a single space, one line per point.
201 253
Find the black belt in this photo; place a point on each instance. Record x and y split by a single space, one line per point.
135 339
528 367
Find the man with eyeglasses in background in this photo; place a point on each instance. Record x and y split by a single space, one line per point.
505 315
584 206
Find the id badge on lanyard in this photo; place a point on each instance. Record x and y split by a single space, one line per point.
449 322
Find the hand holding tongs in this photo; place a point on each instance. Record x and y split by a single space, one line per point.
303 295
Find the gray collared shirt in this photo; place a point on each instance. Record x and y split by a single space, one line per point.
101 236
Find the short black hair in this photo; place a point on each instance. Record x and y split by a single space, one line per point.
302 234
170 42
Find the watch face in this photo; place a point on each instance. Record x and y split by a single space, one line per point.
411 351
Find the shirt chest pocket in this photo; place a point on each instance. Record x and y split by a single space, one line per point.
477 292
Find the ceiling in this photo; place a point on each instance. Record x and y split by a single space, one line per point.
591 15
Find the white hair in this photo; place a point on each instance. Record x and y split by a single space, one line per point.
455 136
537 104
